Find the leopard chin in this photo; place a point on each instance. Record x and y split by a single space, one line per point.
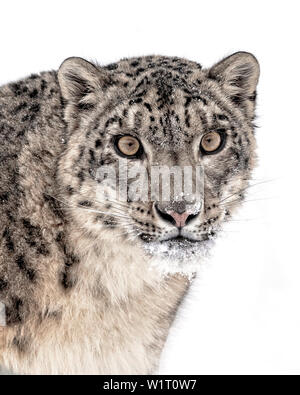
179 254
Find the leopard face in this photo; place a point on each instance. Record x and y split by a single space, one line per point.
130 117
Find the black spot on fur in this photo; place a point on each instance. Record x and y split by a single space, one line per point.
35 108
147 237
70 260
42 249
21 343
222 117
85 203
143 93
20 107
187 118
16 89
111 121
236 154
43 85
34 238
187 101
8 240
85 106
3 197
135 63
80 175
211 77
70 190
253 97
109 223
98 143
14 311
134 101
3 284
237 99
112 66
92 157
148 106
25 118
33 93
54 204
30 273
66 283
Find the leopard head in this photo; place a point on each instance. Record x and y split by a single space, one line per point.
132 122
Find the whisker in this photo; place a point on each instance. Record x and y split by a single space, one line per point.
115 208
59 200
241 220
126 233
109 201
96 211
71 206
244 201
246 188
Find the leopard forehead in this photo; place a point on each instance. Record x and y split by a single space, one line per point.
157 94
165 100
168 102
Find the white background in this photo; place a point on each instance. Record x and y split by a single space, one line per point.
242 315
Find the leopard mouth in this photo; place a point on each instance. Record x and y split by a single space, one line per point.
179 248
183 242
179 239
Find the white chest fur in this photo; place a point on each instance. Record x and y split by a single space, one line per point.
113 321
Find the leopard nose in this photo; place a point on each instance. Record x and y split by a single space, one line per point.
179 219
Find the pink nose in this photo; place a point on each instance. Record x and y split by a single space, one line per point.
180 219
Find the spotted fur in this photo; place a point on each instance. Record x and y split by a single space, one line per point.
74 274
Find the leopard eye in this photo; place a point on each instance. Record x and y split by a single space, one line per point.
212 142
128 146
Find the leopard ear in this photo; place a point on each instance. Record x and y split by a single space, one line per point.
81 82
238 75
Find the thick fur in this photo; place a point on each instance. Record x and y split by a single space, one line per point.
80 293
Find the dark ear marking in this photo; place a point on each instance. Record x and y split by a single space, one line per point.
80 81
3 284
238 75
76 78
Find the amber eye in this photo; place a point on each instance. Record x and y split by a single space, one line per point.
128 146
212 142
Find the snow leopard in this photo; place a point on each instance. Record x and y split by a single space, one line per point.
91 283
